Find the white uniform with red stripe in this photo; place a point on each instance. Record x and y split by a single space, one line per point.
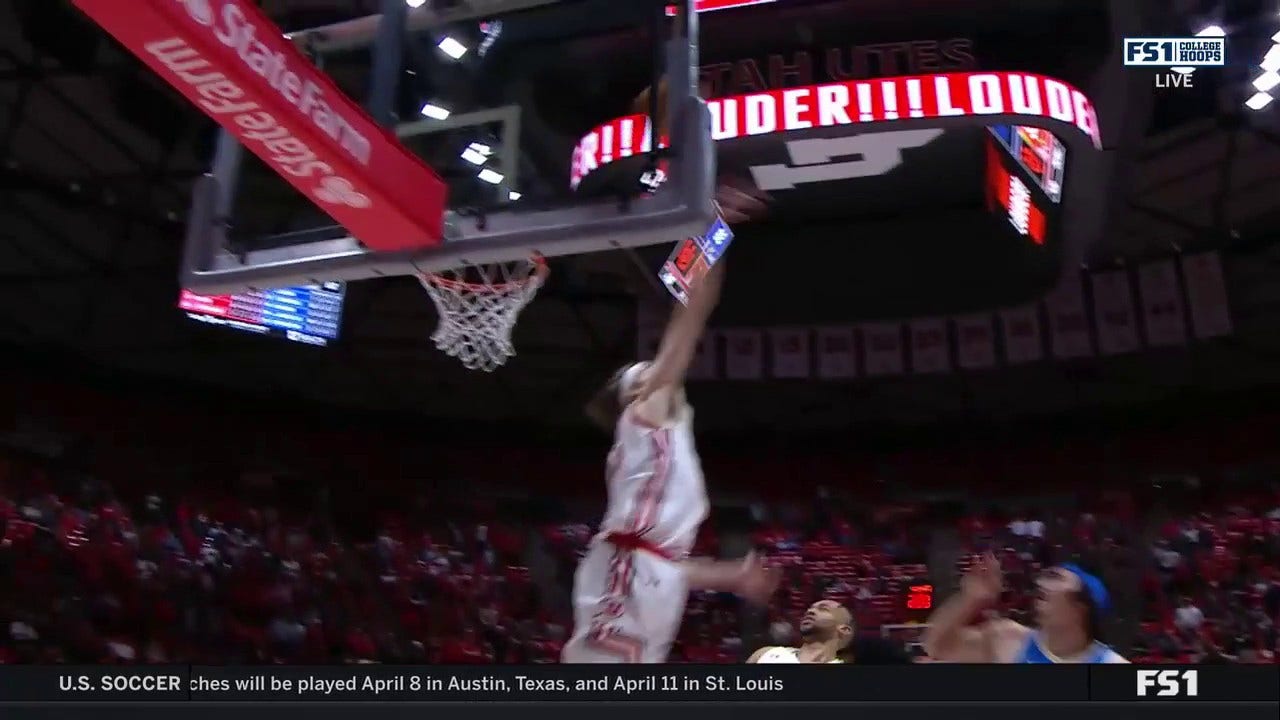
629 593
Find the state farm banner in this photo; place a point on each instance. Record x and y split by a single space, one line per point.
854 102
789 348
1207 295
704 365
836 352
975 342
743 354
239 69
930 351
1113 312
1021 329
881 349
1068 322
1162 314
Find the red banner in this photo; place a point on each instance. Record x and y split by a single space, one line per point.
853 102
238 68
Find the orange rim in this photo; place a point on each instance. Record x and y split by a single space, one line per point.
540 272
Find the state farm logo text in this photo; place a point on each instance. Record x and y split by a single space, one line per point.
221 96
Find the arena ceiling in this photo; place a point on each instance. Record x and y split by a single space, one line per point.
96 162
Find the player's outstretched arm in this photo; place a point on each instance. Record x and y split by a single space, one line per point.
738 203
949 636
749 578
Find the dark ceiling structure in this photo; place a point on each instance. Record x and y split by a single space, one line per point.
97 159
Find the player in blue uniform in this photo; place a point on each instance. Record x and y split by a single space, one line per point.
1070 605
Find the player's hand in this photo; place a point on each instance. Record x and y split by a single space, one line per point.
984 581
756 581
741 201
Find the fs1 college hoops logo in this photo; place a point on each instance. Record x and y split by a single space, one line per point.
1181 56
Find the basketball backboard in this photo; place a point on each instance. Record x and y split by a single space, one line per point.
430 136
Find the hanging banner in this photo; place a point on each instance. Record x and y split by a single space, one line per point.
743 354
1162 314
930 352
882 349
1068 323
836 353
790 352
975 342
703 366
1207 295
1021 329
1113 312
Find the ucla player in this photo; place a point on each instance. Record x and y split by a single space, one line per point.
1069 608
630 589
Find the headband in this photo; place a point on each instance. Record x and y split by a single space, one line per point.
1092 585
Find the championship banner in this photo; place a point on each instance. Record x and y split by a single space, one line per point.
790 351
837 358
930 352
703 365
1113 312
975 342
1021 328
1162 304
882 349
1207 295
743 354
1068 323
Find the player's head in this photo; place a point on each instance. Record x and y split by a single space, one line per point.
621 390
1070 596
827 620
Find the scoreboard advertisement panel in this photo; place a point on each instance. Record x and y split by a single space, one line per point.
310 314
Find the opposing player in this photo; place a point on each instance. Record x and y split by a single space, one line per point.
630 589
1069 608
829 635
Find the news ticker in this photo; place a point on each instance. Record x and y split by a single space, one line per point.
641 683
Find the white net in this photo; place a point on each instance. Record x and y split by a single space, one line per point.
478 307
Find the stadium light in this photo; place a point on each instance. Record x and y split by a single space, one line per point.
474 156
1266 81
415 3
1271 63
1213 31
490 176
452 48
481 148
435 112
1258 101
514 196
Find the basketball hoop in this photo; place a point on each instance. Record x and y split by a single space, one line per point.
478 306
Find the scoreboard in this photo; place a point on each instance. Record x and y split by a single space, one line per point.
309 314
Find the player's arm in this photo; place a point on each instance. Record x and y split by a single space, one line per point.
748 578
949 635
759 653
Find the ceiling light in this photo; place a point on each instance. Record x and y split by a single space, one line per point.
514 196
473 157
452 48
490 176
1271 63
1258 101
481 148
435 112
1212 31
415 3
1266 81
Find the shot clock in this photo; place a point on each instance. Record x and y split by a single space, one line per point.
693 258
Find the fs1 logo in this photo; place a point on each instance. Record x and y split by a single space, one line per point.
1181 55
1169 683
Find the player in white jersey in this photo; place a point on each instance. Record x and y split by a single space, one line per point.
825 631
630 589
1069 607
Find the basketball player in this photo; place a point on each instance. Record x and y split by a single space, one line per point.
1069 608
828 635
630 589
